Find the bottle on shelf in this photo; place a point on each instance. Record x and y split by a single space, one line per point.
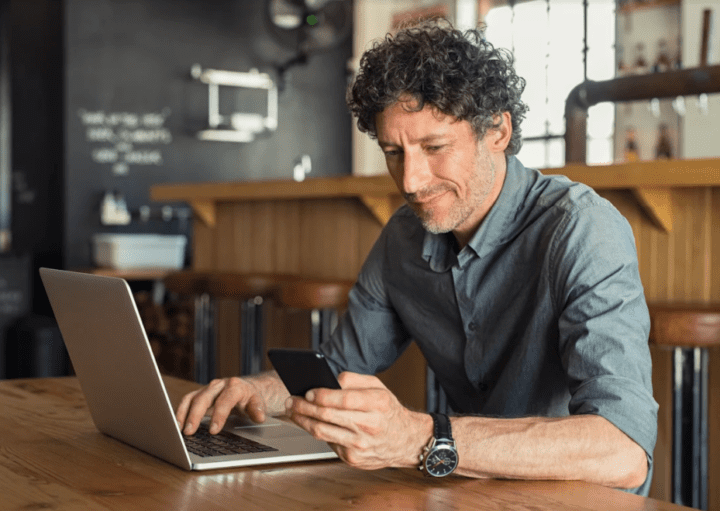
631 148
662 61
663 148
623 68
641 64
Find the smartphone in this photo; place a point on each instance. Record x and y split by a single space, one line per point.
301 370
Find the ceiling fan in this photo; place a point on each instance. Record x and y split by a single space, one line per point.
308 27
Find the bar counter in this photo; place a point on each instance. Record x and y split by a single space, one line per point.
325 227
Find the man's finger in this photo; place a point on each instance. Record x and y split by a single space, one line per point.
255 408
324 427
349 380
362 399
184 407
351 420
200 404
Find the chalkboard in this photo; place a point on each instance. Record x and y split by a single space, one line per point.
122 139
14 298
133 110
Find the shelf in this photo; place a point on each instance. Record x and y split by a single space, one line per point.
645 174
639 6
651 182
377 193
130 274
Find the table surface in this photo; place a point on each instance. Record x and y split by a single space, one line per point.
52 457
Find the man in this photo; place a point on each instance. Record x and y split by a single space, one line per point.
521 290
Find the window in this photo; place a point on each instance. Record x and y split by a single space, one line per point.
555 48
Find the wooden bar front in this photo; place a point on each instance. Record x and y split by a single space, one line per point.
326 227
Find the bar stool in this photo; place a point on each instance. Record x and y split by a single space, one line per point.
195 284
208 286
323 298
688 329
251 290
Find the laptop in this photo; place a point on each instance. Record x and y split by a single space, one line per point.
114 364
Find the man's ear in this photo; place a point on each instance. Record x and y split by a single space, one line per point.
499 138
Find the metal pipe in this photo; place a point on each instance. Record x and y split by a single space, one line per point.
670 84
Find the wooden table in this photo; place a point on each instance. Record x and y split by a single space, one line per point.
52 457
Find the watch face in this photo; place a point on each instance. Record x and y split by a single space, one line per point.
441 461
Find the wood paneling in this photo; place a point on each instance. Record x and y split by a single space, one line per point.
313 237
682 266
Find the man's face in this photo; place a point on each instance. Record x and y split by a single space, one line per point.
448 177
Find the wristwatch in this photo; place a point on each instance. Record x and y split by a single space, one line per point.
440 457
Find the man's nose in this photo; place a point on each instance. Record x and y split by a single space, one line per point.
416 173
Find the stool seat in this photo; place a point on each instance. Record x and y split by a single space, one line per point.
244 286
685 325
187 282
315 294
323 298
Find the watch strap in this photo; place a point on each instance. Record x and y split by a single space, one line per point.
441 426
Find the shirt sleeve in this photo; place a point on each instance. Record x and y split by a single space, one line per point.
604 322
369 336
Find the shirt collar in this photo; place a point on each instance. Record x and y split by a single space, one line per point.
440 250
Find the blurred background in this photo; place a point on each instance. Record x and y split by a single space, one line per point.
103 100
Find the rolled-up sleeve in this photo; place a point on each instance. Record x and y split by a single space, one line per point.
369 336
604 322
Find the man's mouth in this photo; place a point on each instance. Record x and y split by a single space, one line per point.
425 199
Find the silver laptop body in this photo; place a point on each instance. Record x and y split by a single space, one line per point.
114 364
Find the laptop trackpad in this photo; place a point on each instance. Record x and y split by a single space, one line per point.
271 428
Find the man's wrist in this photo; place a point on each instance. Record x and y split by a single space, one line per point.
420 438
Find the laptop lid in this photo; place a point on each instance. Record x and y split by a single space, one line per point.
117 372
109 350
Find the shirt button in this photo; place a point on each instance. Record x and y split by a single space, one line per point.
482 387
472 326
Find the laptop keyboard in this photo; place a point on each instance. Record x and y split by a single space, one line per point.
204 444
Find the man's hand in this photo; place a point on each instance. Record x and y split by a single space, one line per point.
364 423
223 395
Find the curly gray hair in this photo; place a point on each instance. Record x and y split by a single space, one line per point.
460 74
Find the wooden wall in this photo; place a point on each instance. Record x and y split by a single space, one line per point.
337 234
682 266
326 238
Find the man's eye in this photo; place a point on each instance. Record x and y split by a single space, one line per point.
391 153
434 148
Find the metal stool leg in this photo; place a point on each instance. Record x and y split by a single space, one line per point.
436 399
252 336
322 324
677 468
204 339
700 435
315 329
690 416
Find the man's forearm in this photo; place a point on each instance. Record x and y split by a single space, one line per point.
272 389
583 447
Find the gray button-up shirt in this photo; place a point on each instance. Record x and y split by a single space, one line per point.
541 314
